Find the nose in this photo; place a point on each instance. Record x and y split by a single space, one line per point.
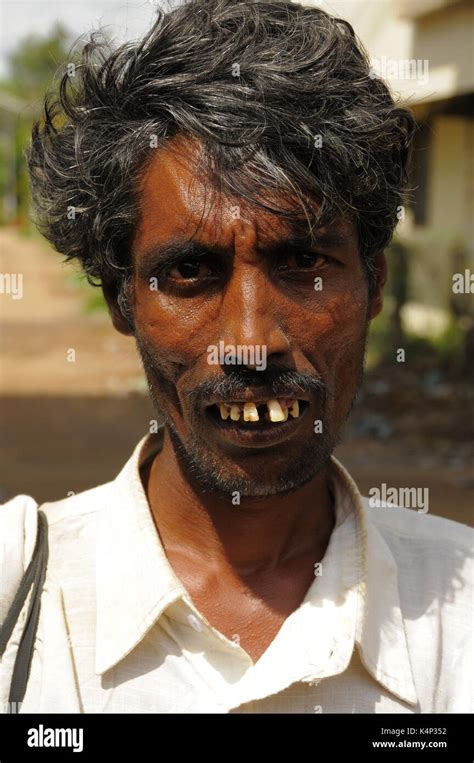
249 316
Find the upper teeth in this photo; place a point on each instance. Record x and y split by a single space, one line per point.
250 412
277 410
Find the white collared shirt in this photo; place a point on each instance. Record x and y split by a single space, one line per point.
386 627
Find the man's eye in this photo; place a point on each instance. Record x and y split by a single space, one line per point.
192 267
303 261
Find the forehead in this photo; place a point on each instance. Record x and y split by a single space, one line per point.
177 201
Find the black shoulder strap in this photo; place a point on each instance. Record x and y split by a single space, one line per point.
35 575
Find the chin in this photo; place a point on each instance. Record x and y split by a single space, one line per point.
217 473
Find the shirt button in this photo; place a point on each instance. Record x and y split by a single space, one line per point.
194 623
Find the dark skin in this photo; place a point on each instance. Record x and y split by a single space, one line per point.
246 567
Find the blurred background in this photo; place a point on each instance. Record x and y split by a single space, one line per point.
69 426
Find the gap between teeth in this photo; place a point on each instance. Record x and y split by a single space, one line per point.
276 411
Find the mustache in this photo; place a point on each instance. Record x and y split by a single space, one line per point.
282 382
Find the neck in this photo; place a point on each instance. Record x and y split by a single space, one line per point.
258 535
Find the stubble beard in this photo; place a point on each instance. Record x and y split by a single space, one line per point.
201 466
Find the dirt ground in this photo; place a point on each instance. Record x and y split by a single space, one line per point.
67 426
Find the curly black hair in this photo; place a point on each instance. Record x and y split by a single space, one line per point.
281 96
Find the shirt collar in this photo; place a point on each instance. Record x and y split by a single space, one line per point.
134 579
135 582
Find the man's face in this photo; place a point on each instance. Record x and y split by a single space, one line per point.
244 284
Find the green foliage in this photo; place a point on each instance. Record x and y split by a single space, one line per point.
93 298
95 301
398 256
449 345
32 68
380 343
443 352
34 63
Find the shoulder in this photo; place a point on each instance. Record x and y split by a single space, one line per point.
415 531
18 522
19 515
70 520
76 508
435 574
434 555
418 527
18 518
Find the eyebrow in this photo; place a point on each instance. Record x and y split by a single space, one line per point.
178 249
296 243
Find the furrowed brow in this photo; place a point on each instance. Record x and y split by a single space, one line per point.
161 255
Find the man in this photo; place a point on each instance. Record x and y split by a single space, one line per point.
232 181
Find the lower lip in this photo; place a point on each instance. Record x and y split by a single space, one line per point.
248 437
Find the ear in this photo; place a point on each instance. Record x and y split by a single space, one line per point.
110 290
380 278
